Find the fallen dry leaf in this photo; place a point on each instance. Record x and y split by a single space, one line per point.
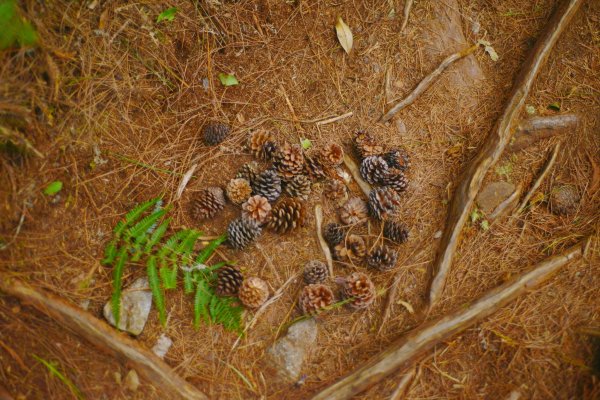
344 34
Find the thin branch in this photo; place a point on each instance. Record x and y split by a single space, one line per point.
407 6
409 348
493 147
334 119
538 181
427 82
322 242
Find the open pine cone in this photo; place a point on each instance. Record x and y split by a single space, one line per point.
373 169
333 234
398 158
315 298
287 215
332 155
262 145
395 179
257 208
314 168
383 202
267 185
395 231
253 292
214 133
248 171
336 191
238 190
365 145
289 160
353 249
354 211
359 288
315 272
207 203
382 258
242 231
298 186
229 280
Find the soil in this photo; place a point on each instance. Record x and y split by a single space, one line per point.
115 103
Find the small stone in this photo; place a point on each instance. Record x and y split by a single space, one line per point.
118 378
132 381
493 195
136 301
437 235
162 345
401 127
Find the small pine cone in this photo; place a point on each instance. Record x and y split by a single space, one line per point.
333 234
395 231
332 155
207 203
313 168
238 190
383 202
286 215
253 292
262 145
299 186
249 172
289 160
396 180
354 211
267 185
315 272
564 200
373 169
382 258
242 231
353 249
257 208
336 191
398 158
229 280
365 145
359 288
315 298
214 133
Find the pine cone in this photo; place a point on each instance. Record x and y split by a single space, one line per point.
248 171
267 185
564 200
332 155
288 214
396 180
354 211
398 158
333 234
315 272
299 186
365 145
253 292
315 298
358 287
314 168
383 202
262 145
238 190
395 231
353 249
336 191
207 203
382 258
289 160
214 133
373 169
242 231
229 280
257 208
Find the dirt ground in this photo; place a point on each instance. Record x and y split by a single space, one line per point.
115 103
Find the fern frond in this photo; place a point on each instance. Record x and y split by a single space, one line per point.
119 228
168 277
157 235
159 298
133 215
188 282
201 300
171 243
118 284
110 253
187 245
227 312
210 248
140 229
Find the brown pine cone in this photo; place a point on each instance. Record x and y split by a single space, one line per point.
248 171
365 145
373 169
207 203
257 208
398 158
353 249
253 292
336 191
214 133
395 231
332 155
314 168
242 231
287 215
289 160
333 234
564 200
298 186
267 185
315 298
315 272
354 211
396 180
229 280
358 288
262 144
383 203
382 258
238 190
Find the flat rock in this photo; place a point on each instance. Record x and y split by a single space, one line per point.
136 301
162 345
286 356
493 195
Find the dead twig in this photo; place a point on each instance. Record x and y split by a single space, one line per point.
404 384
351 165
334 119
534 129
493 147
184 181
407 6
507 205
411 346
540 178
322 242
427 82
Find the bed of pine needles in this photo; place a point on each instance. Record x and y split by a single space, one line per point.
115 102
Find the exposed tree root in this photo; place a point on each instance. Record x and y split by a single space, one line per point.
407 6
532 130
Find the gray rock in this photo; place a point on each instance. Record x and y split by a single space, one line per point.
136 301
493 195
162 345
286 356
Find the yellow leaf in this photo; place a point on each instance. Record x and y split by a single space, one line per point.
344 34
407 305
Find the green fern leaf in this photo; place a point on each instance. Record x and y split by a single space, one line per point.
210 248
188 282
157 294
168 277
157 235
201 299
133 215
141 228
110 253
118 284
171 243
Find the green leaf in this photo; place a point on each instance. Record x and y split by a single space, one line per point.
228 80
209 249
554 106
475 215
305 143
157 235
118 284
201 300
53 188
188 282
485 225
110 252
167 15
157 294
141 228
51 367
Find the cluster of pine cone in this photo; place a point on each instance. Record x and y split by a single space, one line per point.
252 291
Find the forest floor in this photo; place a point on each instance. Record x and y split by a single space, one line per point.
115 103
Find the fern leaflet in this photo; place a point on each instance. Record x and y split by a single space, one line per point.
159 298
140 229
110 253
157 235
188 282
201 300
210 248
133 215
118 284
